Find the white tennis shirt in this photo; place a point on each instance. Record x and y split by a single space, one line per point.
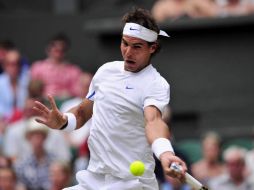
117 134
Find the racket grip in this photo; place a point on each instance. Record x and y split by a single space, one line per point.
193 182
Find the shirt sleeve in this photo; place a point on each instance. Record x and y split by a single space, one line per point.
157 94
97 78
91 92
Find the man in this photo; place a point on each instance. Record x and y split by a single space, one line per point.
52 70
14 84
125 102
8 179
210 165
5 46
235 176
59 175
33 169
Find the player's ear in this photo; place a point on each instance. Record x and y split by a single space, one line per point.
153 47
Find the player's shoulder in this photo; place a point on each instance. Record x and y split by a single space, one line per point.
157 79
109 67
112 65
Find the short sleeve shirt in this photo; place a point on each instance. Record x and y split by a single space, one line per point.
117 134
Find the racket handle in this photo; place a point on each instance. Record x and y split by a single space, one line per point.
195 184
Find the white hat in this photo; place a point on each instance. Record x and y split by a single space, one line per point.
34 126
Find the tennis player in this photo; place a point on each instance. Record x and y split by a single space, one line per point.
125 104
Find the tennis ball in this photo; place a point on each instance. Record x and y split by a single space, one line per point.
137 168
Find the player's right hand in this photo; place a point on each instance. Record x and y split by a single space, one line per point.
167 159
53 118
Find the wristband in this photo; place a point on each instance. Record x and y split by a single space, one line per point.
71 122
161 145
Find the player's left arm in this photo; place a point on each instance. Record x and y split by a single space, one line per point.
157 131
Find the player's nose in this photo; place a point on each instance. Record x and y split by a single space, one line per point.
128 52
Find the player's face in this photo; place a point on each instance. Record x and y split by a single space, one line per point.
136 53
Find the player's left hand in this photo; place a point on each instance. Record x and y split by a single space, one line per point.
167 158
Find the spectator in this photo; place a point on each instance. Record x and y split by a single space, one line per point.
14 84
5 162
201 8
173 9
234 7
251 6
8 180
5 46
168 9
33 169
60 175
235 177
58 75
209 166
16 145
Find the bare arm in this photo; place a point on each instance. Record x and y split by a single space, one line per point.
157 128
83 112
55 119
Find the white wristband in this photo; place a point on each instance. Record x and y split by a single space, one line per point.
72 122
160 146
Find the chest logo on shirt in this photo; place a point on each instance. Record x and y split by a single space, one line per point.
129 88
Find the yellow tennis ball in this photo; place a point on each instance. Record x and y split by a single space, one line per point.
137 168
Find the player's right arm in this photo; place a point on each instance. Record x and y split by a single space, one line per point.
55 119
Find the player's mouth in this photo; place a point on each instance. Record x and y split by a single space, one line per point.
130 62
130 65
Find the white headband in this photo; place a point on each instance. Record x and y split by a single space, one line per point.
138 31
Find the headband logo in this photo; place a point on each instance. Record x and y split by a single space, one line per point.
133 28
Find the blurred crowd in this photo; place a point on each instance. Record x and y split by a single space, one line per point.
219 164
32 156
174 9
228 168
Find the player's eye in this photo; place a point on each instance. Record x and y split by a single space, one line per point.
137 47
124 43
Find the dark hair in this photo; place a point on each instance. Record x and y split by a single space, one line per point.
144 18
7 44
61 37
